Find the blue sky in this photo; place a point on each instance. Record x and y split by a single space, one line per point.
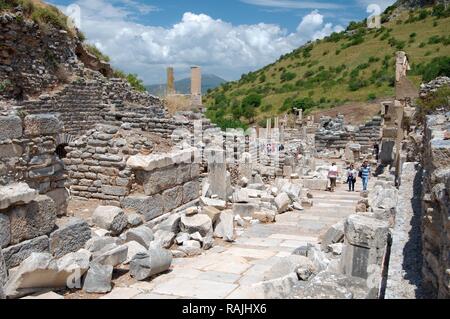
224 37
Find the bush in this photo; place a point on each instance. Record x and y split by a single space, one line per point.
92 49
136 83
287 76
371 97
437 100
439 66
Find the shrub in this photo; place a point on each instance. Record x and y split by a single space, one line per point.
371 97
439 66
135 82
436 100
287 76
92 49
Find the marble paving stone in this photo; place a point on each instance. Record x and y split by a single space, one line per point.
155 296
250 253
219 276
195 288
122 293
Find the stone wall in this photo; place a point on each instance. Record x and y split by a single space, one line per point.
28 154
163 182
333 134
436 205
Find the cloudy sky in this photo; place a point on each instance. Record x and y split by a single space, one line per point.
224 37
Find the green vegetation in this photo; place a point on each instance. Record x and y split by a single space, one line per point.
97 53
437 100
133 79
357 66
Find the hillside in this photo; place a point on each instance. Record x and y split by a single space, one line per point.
356 65
209 82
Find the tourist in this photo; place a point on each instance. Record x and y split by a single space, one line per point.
364 173
333 175
352 173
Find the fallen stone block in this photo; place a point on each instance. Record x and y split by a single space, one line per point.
3 270
198 223
45 296
241 196
150 263
16 194
115 256
217 203
181 238
134 220
98 278
164 238
279 288
61 197
212 212
133 249
335 234
289 265
75 262
110 218
264 216
191 248
294 191
32 220
96 244
149 206
315 184
282 202
70 237
36 273
225 226
16 254
245 210
142 234
171 224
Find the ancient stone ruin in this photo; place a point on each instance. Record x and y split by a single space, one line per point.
99 181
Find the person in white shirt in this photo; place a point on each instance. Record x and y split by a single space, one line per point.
333 175
352 174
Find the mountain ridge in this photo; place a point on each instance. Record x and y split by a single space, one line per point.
183 86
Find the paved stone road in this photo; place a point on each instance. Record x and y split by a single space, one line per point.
222 271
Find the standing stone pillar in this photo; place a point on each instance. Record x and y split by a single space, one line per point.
170 81
245 165
217 172
196 86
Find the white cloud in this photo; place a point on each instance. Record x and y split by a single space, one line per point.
383 4
292 4
217 46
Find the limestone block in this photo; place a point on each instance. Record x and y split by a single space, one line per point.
60 196
153 262
282 202
315 184
98 278
164 238
157 181
75 262
15 254
191 191
198 223
172 198
133 249
212 212
32 220
245 210
110 218
70 237
171 224
5 231
15 194
149 206
96 244
112 255
41 124
142 235
3 270
335 234
217 203
225 226
10 127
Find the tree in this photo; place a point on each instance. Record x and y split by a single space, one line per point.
252 101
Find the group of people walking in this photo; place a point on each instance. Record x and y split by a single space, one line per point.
352 176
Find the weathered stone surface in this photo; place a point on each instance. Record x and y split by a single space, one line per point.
142 234
10 127
110 218
294 191
172 198
225 226
153 262
191 248
15 254
70 237
60 196
289 265
41 124
98 278
156 161
382 196
5 231
264 216
366 231
245 210
36 273
241 196
114 256
133 249
96 244
212 212
278 288
191 191
32 220
217 203
75 262
282 202
335 234
3 270
17 193
329 285
164 238
315 184
134 220
149 206
171 224
182 237
198 223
